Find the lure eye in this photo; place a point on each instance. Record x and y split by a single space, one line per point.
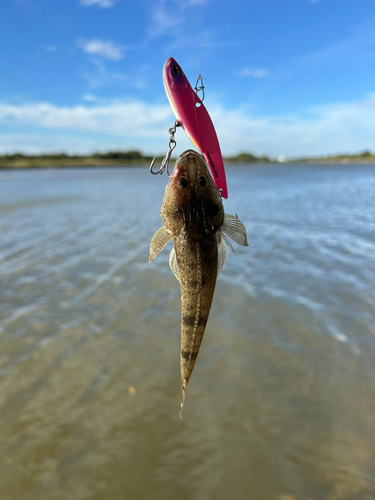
183 183
176 70
202 181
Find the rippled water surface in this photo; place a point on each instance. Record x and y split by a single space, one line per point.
281 403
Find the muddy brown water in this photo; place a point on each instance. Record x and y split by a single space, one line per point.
281 404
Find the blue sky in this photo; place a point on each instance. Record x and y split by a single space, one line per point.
291 77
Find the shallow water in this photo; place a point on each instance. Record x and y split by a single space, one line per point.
281 403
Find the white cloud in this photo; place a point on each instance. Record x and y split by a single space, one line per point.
163 19
103 4
171 17
99 75
253 73
51 48
89 98
184 4
339 127
102 48
167 16
119 119
38 143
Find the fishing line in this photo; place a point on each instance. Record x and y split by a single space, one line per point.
200 88
200 70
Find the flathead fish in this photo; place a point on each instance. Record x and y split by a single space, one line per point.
193 216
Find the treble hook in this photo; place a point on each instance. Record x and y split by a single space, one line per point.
171 146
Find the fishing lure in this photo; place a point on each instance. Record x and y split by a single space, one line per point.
193 117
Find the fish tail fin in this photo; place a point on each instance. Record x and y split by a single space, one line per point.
183 394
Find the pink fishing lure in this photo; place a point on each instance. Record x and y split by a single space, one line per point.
192 115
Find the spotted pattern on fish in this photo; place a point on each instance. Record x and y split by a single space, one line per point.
191 320
193 216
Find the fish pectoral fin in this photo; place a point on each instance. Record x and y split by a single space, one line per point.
158 242
221 256
173 264
226 239
233 228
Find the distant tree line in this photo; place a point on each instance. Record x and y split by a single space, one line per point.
247 158
364 157
134 157
127 155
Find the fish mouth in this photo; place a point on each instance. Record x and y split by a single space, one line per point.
188 164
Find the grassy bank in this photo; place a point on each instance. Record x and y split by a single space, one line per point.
365 157
135 158
19 160
112 158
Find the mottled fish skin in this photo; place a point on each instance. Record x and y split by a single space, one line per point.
192 214
197 215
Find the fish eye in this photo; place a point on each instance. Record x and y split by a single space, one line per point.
183 183
176 70
202 181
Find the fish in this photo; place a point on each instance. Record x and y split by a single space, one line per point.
193 117
193 217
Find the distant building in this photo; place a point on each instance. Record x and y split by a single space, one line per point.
281 158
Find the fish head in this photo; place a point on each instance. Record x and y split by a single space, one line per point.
191 199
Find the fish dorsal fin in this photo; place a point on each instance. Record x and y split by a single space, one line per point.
158 242
221 256
233 228
173 264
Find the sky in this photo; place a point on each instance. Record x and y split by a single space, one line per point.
282 77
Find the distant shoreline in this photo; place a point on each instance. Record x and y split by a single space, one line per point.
136 159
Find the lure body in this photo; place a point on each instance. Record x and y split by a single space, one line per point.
192 115
193 217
